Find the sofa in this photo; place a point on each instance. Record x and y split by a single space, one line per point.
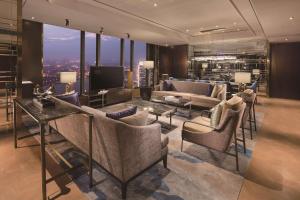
123 150
201 94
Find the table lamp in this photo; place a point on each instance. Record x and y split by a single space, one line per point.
68 78
242 78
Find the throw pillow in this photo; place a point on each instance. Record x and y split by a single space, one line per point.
167 85
209 90
216 90
122 113
216 113
138 119
72 98
234 104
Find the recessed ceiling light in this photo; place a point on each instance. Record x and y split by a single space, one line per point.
155 5
234 23
286 39
291 18
238 29
217 26
11 24
32 17
187 30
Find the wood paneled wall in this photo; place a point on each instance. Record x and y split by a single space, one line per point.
285 70
173 60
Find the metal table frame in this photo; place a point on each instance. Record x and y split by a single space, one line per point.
42 124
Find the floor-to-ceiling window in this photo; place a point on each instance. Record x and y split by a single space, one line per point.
110 51
61 54
139 55
90 56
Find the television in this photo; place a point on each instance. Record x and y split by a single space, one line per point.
106 77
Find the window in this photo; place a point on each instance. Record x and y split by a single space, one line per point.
126 61
90 57
110 51
139 55
61 54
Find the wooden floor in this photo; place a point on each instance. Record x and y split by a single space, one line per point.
20 175
274 172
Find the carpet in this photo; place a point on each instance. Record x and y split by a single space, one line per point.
196 173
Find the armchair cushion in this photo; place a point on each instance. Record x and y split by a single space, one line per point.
197 128
138 119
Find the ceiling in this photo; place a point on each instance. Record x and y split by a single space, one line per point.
171 22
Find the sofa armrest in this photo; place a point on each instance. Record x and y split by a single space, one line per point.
140 147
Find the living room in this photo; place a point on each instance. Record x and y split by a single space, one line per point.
139 99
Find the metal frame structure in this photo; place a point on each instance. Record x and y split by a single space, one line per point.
42 123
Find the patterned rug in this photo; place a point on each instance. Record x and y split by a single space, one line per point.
196 173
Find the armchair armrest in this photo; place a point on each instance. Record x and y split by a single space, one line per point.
196 123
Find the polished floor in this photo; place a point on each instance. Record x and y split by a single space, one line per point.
273 172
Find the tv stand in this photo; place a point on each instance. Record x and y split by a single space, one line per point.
113 96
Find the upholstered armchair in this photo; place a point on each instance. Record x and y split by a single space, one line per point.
219 138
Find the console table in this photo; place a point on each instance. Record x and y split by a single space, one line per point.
42 116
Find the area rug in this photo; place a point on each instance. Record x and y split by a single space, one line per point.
194 174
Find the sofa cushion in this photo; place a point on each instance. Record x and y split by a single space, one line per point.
202 120
216 113
122 113
72 98
217 89
138 119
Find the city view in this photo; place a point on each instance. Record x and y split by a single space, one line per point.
62 54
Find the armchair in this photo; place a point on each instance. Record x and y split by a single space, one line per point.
218 138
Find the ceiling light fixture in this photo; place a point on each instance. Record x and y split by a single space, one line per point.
217 26
234 23
238 29
32 18
155 5
286 39
187 30
291 18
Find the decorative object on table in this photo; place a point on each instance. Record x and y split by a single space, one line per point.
242 78
72 98
43 102
68 78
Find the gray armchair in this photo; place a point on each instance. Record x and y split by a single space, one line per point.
218 138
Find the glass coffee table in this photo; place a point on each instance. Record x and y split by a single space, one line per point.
178 102
154 108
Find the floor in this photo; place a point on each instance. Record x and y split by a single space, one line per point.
273 172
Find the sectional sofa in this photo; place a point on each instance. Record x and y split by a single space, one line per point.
201 94
121 149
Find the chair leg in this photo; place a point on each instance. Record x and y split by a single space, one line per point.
165 161
244 139
254 118
124 190
181 145
250 123
236 152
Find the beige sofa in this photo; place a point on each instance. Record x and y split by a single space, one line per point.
195 91
123 150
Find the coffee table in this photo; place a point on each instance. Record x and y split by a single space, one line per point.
153 108
178 103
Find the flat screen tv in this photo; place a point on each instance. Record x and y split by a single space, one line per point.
106 77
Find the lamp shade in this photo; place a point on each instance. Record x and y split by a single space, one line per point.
67 77
242 77
148 64
204 65
255 71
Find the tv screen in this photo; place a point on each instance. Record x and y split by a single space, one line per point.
106 77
